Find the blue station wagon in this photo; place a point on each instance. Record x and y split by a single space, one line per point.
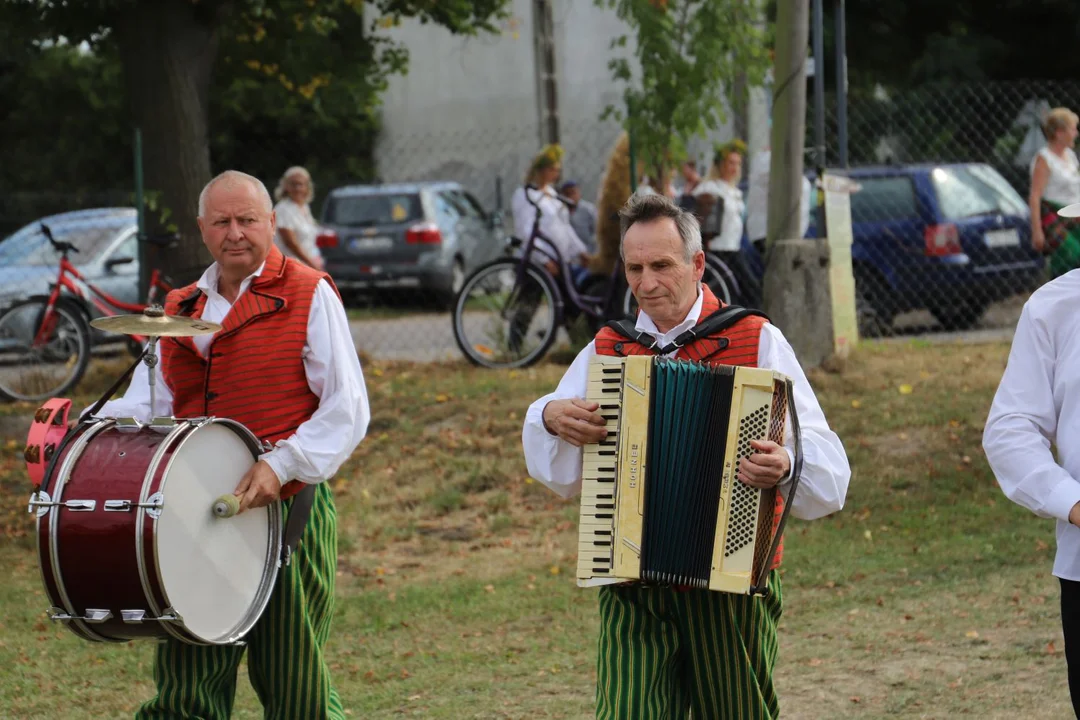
948 238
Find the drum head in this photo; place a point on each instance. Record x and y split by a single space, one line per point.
217 573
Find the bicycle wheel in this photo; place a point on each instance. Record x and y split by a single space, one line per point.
32 371
717 276
501 324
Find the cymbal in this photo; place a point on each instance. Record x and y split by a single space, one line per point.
1070 211
154 322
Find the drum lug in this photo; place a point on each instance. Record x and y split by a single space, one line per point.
163 424
134 617
92 615
43 502
128 423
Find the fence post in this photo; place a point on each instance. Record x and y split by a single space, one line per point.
841 84
819 87
633 150
139 206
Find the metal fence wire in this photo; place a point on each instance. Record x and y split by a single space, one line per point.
942 230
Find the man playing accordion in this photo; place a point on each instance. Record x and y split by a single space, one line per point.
668 651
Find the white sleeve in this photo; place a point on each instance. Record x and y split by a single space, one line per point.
321 444
524 214
287 216
554 462
135 402
826 472
1022 424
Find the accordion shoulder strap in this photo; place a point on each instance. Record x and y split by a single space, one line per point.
719 321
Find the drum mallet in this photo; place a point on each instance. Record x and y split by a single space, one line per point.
226 506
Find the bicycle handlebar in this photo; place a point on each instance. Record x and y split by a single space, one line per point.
561 198
61 247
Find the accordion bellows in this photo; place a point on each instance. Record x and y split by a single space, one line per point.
660 498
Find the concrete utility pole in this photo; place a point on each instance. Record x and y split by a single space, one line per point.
796 287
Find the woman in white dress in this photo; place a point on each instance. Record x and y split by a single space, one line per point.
296 226
1055 182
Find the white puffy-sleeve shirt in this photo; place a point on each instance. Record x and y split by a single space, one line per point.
299 220
1037 405
554 222
321 444
825 474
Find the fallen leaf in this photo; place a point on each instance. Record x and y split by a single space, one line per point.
377 372
906 389
555 570
856 404
868 535
972 634
856 699
489 588
442 397
814 662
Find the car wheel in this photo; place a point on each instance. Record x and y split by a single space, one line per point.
959 316
446 298
874 314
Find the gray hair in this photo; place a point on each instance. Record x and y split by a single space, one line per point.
279 191
234 175
652 207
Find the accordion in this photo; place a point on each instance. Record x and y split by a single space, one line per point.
660 499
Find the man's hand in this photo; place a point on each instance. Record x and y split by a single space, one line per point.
765 468
575 421
1074 515
258 488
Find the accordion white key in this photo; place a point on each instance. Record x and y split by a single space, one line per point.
660 498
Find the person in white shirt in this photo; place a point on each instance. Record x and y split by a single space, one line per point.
723 234
296 226
1036 407
1055 183
284 366
727 643
558 233
757 219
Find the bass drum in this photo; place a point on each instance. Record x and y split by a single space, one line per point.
128 541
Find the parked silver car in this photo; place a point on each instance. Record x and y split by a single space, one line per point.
425 235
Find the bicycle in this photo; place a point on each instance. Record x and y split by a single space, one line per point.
51 334
515 290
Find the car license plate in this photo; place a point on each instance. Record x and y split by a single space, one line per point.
1002 238
367 244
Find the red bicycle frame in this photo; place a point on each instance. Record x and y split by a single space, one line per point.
107 304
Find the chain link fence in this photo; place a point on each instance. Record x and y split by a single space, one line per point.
942 229
942 238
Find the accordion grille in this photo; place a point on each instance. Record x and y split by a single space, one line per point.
744 499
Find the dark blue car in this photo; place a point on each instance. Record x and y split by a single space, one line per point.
948 238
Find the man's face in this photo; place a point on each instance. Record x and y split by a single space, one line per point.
573 193
237 226
663 282
689 172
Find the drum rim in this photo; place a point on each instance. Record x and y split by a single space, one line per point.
62 475
168 444
274 530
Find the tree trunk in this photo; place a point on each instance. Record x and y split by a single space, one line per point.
796 287
167 48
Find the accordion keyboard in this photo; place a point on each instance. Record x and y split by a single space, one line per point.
595 552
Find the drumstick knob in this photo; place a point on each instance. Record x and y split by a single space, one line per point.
226 506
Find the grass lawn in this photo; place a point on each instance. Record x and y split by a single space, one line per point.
928 596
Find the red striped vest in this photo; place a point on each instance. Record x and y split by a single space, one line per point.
737 345
254 369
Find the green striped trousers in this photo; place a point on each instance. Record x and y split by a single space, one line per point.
669 655
285 659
